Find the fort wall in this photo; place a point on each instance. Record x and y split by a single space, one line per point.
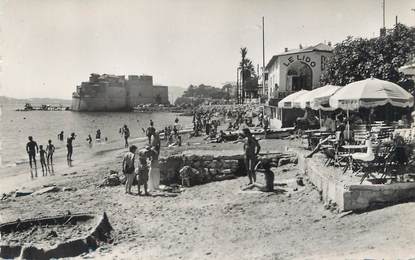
115 93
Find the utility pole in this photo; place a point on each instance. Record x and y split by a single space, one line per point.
383 29
383 7
263 55
237 85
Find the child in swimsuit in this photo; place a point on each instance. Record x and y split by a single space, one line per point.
42 154
50 149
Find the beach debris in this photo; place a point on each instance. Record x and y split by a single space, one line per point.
52 237
71 173
69 189
21 193
5 196
46 190
174 188
300 181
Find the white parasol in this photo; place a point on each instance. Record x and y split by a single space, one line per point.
370 93
288 101
316 98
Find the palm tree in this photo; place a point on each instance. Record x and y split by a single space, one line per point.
244 51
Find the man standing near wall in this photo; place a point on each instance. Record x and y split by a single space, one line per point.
251 148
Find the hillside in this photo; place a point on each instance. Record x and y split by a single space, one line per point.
9 100
175 92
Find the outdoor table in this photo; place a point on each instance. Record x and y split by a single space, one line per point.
350 147
348 157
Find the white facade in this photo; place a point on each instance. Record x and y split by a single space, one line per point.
294 70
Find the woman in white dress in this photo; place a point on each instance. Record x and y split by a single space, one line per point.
154 174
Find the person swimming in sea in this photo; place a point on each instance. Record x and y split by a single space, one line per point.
98 135
89 139
60 136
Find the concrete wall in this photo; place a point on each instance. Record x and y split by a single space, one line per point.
346 196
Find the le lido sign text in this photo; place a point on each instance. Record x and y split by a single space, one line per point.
302 58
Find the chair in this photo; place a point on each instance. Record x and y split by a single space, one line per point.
397 159
360 161
330 154
382 158
360 136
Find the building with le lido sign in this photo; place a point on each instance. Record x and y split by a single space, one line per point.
294 70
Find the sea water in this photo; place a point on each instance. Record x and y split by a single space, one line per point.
16 126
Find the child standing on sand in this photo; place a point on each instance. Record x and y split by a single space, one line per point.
42 154
50 149
128 168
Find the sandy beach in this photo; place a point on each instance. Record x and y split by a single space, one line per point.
218 220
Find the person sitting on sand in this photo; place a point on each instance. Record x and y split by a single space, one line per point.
268 175
221 137
50 149
251 148
42 154
143 170
32 149
128 168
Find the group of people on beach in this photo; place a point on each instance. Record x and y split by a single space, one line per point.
46 156
146 171
240 118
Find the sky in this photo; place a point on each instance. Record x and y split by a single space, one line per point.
47 47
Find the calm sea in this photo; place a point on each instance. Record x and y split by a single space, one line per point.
16 126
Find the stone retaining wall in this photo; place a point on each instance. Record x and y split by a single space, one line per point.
352 196
213 167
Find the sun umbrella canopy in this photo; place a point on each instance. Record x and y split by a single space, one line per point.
316 98
371 93
288 101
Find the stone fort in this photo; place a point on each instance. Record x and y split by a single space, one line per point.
116 93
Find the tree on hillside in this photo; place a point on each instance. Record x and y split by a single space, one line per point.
204 91
356 58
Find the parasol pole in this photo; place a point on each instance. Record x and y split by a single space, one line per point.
348 124
319 114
